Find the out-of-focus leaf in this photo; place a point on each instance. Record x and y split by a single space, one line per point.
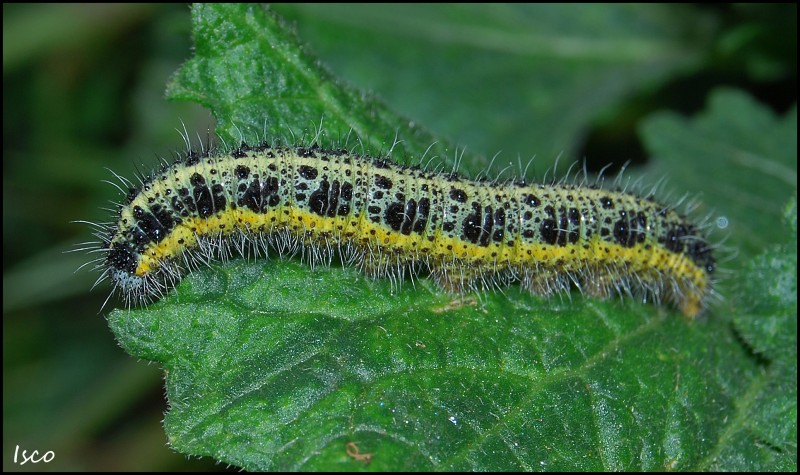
260 83
739 156
522 80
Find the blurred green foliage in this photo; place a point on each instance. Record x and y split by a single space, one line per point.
83 90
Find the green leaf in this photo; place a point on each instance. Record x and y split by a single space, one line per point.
746 159
272 365
768 323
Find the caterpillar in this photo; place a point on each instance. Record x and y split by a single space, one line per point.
386 218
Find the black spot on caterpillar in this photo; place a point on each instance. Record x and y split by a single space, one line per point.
385 218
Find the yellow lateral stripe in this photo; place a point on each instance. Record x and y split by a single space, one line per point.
445 249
